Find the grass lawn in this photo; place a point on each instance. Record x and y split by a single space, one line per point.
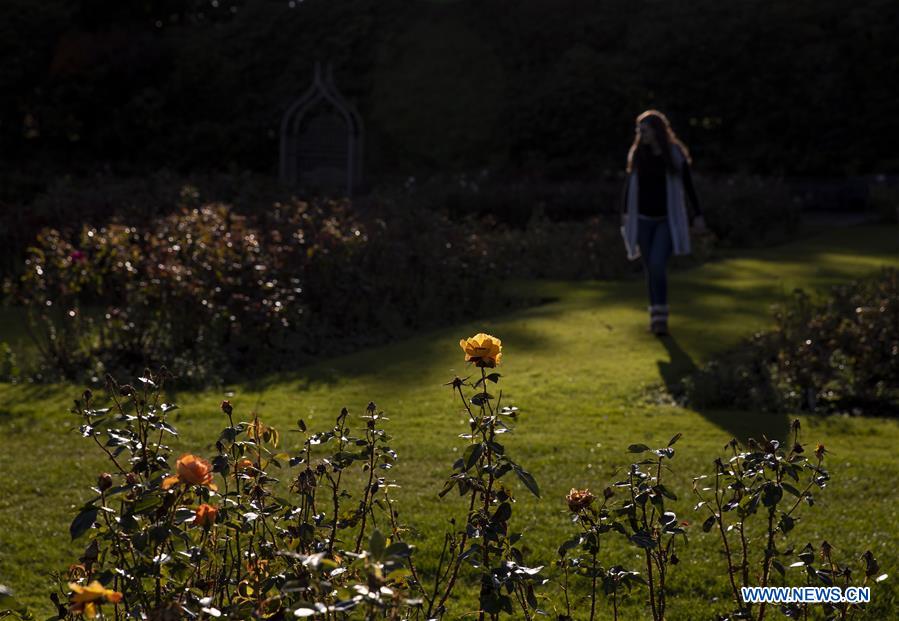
579 368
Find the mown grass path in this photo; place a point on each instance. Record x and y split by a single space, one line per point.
578 367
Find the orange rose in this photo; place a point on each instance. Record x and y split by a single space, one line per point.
84 599
579 499
206 515
192 470
483 350
245 464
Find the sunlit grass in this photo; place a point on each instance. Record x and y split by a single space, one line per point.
577 367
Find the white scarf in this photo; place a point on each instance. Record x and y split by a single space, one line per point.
678 222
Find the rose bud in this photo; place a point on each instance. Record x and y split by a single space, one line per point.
205 515
226 407
104 481
132 479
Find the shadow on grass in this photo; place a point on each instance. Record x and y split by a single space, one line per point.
738 424
426 356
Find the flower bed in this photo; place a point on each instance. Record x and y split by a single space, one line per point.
221 537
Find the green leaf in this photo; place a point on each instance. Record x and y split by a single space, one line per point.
472 454
664 491
447 487
7 599
531 598
481 399
791 489
528 480
786 523
400 548
674 439
146 504
643 540
637 448
378 544
778 566
569 545
708 524
503 513
82 522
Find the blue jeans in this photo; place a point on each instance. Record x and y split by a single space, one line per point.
654 239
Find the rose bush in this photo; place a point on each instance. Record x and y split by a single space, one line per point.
206 291
223 538
836 355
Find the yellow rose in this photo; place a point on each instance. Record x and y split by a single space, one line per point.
84 599
483 350
191 470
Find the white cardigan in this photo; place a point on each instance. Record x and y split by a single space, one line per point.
678 221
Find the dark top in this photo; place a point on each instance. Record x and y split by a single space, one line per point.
652 193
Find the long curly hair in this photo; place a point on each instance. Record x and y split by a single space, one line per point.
664 134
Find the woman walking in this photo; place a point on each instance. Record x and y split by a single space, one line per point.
655 219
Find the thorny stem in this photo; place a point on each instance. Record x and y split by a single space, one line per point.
744 546
565 589
395 529
649 574
370 436
593 585
335 485
488 436
661 554
719 519
457 561
769 548
807 488
438 575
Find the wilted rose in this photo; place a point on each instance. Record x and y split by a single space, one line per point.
579 499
